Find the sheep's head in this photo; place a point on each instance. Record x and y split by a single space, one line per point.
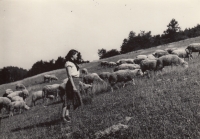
185 64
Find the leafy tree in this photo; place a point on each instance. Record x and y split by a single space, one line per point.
101 53
173 28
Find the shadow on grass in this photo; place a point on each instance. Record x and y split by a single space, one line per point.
44 124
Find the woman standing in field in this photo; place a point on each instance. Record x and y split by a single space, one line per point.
72 96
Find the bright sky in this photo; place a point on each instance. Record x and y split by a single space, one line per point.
33 30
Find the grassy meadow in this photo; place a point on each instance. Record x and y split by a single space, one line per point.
166 105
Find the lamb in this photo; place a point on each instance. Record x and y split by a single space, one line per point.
181 53
84 87
49 78
148 65
20 86
170 60
123 76
18 105
39 95
194 47
84 71
51 90
127 66
125 61
7 92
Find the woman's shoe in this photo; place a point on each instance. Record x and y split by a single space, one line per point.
68 118
65 119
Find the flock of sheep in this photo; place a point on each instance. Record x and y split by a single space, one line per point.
125 70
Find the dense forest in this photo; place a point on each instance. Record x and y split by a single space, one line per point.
134 42
145 40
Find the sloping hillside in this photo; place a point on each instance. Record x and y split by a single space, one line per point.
164 106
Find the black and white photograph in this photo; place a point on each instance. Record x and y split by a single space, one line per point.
99 69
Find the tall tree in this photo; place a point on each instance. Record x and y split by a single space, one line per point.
173 28
101 53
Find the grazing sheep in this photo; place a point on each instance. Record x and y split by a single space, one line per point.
125 61
127 66
151 56
194 47
39 95
49 78
160 53
20 87
148 65
141 56
7 92
104 63
5 103
92 78
19 105
138 60
170 50
104 75
23 93
16 98
112 64
181 53
123 76
84 87
84 71
170 60
51 90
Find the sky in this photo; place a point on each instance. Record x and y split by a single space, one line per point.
34 30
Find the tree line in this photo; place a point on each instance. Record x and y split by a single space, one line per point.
11 74
145 40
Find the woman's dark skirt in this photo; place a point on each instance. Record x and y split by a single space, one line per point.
69 95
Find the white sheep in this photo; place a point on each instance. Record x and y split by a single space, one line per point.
49 78
92 78
148 65
16 98
123 76
181 53
112 64
20 86
138 60
5 103
194 47
160 53
127 66
151 56
23 93
104 75
19 105
39 95
125 61
104 63
51 90
141 56
170 60
7 92
84 87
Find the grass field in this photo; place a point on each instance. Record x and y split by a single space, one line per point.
165 106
